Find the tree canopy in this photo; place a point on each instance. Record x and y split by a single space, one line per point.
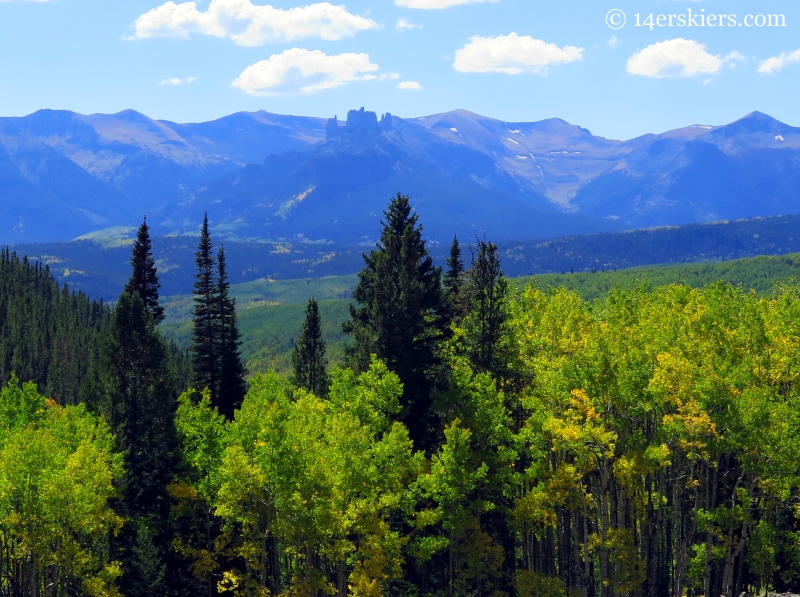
400 315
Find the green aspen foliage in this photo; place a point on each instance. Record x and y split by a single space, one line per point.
57 474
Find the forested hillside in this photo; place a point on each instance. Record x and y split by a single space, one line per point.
760 274
48 334
270 312
99 267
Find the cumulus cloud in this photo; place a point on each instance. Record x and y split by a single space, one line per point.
410 85
248 24
177 81
512 54
675 58
403 24
299 71
436 4
776 64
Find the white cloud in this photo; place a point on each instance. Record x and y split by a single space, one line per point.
177 81
248 24
776 64
403 24
410 85
299 71
733 59
613 42
675 58
383 77
512 54
436 4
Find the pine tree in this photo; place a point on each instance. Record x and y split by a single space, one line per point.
138 403
205 317
401 313
144 278
308 356
484 324
453 279
232 387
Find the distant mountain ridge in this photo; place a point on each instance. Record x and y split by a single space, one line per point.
263 176
100 269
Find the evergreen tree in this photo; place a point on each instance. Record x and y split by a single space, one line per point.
205 317
484 324
453 278
308 356
400 316
144 278
232 387
138 403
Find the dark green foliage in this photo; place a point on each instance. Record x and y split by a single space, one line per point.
269 333
205 317
453 279
139 403
147 565
137 399
484 326
232 388
401 315
308 357
144 278
216 361
48 335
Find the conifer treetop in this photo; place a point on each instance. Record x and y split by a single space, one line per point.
144 277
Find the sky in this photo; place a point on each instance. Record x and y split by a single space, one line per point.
584 61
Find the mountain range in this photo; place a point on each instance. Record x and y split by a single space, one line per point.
263 176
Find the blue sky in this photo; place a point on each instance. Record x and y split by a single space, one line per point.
191 62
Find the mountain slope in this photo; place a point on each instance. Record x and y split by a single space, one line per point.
337 191
749 168
264 176
114 168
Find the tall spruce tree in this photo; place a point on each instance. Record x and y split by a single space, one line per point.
453 280
138 402
205 317
400 315
484 324
232 387
308 356
144 278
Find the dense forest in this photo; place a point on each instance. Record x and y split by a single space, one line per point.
482 440
48 334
